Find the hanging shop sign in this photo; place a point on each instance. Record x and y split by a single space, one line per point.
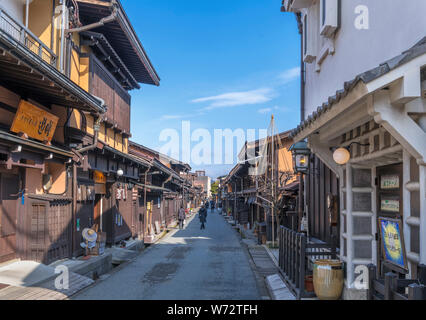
118 194
388 182
389 205
392 240
34 122
99 177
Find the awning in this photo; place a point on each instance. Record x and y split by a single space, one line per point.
34 145
50 197
152 187
127 156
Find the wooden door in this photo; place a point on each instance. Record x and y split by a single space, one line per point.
60 228
9 189
37 241
389 200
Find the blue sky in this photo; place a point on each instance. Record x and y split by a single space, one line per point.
222 64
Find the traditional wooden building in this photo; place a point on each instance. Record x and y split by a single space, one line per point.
65 71
247 190
163 190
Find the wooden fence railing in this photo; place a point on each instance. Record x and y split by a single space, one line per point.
296 256
392 288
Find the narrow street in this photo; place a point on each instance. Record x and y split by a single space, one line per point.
191 264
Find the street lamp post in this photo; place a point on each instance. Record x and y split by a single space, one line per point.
301 153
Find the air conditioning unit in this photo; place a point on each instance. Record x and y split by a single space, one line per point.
329 17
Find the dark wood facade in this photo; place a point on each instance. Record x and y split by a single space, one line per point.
36 223
321 181
103 84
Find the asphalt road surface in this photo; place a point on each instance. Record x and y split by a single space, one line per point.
192 264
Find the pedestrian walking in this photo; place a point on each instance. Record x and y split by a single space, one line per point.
203 221
181 217
203 217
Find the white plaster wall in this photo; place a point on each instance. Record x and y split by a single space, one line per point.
394 26
206 181
15 8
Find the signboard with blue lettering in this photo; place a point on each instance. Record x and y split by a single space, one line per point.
392 239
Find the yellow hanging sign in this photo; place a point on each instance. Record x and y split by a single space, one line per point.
99 177
35 122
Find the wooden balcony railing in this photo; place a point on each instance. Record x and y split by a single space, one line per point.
25 37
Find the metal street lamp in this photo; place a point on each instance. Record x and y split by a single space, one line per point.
300 152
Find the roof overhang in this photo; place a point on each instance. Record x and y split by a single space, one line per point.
160 166
393 99
100 44
401 76
153 188
129 157
26 71
121 36
8 139
295 5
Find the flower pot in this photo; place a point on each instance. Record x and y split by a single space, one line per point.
309 284
328 279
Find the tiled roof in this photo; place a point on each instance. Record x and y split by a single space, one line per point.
366 77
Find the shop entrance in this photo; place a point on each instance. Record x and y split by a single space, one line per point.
9 189
389 202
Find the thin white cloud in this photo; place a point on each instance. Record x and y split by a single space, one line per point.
171 117
282 109
289 75
264 110
233 99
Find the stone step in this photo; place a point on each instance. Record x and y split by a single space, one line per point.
47 290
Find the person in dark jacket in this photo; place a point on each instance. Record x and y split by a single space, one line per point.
181 216
203 217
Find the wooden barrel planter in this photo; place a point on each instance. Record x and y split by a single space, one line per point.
328 279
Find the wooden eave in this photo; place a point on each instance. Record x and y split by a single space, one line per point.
121 36
26 73
35 146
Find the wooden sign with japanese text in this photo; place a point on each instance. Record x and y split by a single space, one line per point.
35 122
99 177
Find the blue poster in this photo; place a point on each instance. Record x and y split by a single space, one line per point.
393 243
